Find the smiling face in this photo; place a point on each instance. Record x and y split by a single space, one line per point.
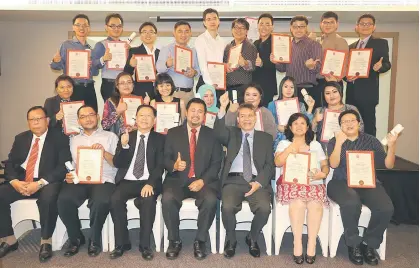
125 85
148 35
38 122
145 119
208 98
265 27
164 89
328 25
299 127
253 96
195 115
81 27
332 96
239 31
246 119
288 89
182 34
211 22
299 29
114 28
88 119
64 89
365 27
349 125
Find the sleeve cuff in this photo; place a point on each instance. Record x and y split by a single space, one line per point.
221 114
101 60
126 146
44 182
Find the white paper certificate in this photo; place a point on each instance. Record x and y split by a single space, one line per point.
132 104
285 108
259 123
333 63
145 69
360 169
296 168
210 119
165 116
183 59
330 125
281 47
253 28
217 72
70 124
89 165
359 62
233 58
119 55
78 63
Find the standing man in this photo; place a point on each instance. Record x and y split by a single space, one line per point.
72 196
139 159
148 35
166 62
84 89
192 159
265 70
35 169
364 92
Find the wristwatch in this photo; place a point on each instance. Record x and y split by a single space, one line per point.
40 184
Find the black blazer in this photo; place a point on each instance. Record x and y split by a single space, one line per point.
52 105
140 88
54 154
208 156
262 151
366 90
154 156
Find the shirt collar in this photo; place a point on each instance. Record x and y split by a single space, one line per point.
150 52
304 39
251 133
365 40
189 128
98 130
42 137
207 34
233 43
109 38
75 40
146 135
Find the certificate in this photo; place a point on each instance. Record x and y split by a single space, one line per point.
253 28
119 55
333 63
233 57
360 169
78 63
281 47
89 165
183 59
166 116
145 69
259 123
70 124
210 119
359 62
285 108
296 168
217 72
330 125
133 103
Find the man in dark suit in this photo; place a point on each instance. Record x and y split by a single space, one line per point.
246 175
139 159
148 35
192 159
364 92
35 169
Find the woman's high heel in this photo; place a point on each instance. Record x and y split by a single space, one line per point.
298 259
310 259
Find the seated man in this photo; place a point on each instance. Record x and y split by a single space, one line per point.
35 169
72 196
350 200
192 159
246 176
139 159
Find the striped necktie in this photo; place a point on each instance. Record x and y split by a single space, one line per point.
30 166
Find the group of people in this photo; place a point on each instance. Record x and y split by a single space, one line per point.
191 154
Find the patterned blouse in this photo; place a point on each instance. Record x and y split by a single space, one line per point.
111 121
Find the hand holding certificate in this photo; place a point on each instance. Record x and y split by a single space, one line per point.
118 51
285 108
167 116
296 168
359 63
145 69
210 119
89 165
70 124
333 63
234 54
330 125
78 63
360 169
217 73
132 103
281 48
183 59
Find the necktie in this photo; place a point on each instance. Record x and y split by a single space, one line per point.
193 144
138 170
247 169
361 44
30 166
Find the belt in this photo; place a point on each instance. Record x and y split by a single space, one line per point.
85 84
183 89
238 174
306 85
108 80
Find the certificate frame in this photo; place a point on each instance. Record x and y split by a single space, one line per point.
361 182
68 62
224 77
324 120
126 55
342 67
205 118
258 113
351 51
307 170
83 181
283 100
166 103
126 121
154 68
290 47
230 49
176 53
64 121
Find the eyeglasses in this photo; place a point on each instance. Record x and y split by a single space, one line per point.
147 33
64 87
347 122
365 24
86 116
125 83
33 120
81 25
114 27
300 27
328 22
239 28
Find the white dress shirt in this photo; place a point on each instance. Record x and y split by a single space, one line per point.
129 175
40 147
150 52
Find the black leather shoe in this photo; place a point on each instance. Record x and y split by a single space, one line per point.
119 251
298 259
45 252
369 255
355 255
310 259
229 249
200 250
6 248
254 249
94 249
74 246
146 253
173 249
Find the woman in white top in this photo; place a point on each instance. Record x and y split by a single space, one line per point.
312 197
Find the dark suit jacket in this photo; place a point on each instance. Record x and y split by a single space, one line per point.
54 154
154 156
52 105
262 151
140 88
366 90
208 156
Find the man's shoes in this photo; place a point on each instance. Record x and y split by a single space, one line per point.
6 248
199 250
74 246
355 255
94 249
254 249
369 255
229 249
146 253
173 249
45 252
119 251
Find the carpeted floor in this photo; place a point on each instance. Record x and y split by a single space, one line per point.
402 251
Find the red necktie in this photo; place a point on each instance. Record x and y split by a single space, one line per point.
30 166
193 143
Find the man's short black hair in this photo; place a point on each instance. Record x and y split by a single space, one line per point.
266 15
64 77
199 101
147 23
180 23
209 11
147 106
36 108
81 16
366 16
113 15
328 15
349 112
242 21
86 106
299 18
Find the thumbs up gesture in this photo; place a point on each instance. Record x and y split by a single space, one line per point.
242 62
311 63
146 99
107 56
312 35
378 65
133 61
169 61
258 61
57 57
179 164
125 138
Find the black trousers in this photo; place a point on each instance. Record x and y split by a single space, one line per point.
260 203
72 196
47 206
200 82
368 112
124 191
85 92
315 92
107 89
350 201
205 200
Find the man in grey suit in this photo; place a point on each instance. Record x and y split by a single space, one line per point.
246 176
